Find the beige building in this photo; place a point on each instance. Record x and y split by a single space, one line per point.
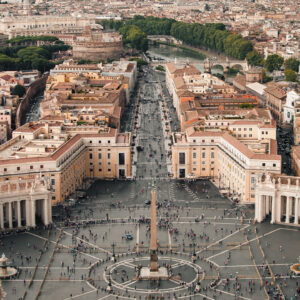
198 154
278 197
63 157
43 25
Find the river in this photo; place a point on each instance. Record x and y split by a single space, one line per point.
180 55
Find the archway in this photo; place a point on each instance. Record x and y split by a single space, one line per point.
237 67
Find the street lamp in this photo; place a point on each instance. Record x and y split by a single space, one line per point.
113 252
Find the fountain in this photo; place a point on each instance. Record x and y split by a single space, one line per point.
5 270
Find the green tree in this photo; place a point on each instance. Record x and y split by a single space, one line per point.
18 90
265 77
255 59
273 62
290 75
292 64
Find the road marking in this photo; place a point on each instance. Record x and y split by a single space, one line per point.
217 242
91 244
231 294
131 282
245 243
105 297
79 295
247 266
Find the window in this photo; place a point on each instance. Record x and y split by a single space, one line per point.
108 170
91 170
245 135
41 166
252 196
245 129
212 154
52 181
194 154
203 169
121 159
100 170
203 154
250 135
212 169
108 155
91 164
250 129
100 163
109 142
91 142
212 141
18 168
91 155
194 163
194 169
274 165
5 169
203 141
239 129
263 164
203 163
194 141
234 129
262 132
252 180
239 135
181 158
99 142
99 155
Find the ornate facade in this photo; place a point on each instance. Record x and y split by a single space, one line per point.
278 197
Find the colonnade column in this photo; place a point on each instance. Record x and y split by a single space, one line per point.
33 208
28 212
288 209
296 210
273 212
19 213
267 211
46 213
9 215
1 216
259 208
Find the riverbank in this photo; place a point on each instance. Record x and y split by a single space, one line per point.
196 53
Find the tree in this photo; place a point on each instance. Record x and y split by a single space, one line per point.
255 59
292 64
265 77
18 90
290 75
273 62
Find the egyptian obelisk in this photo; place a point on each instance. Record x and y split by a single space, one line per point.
153 238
